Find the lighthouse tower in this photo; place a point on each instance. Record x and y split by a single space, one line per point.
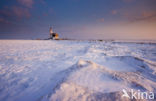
51 32
53 35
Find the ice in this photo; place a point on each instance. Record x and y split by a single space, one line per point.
72 70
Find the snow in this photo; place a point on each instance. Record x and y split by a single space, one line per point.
70 70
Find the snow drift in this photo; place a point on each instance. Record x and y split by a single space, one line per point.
75 70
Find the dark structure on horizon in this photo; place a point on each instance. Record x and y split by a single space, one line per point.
53 35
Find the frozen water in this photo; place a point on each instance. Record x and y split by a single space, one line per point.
32 70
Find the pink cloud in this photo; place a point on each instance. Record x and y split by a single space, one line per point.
128 0
42 2
15 11
5 12
21 12
101 20
27 3
45 14
140 16
114 12
148 13
2 20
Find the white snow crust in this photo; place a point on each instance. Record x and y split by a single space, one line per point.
66 70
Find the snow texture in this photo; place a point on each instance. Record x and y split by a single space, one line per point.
45 70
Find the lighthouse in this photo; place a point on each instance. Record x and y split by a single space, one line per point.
51 32
53 35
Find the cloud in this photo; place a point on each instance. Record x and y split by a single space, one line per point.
143 16
2 20
42 2
27 3
127 1
45 14
21 12
114 12
101 20
5 12
15 11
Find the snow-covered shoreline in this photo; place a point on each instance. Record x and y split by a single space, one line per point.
66 70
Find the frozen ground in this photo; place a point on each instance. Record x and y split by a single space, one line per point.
75 70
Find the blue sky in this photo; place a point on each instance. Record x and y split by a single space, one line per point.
78 19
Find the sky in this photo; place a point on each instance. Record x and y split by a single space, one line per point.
78 19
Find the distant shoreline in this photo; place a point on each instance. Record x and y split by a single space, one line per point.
98 40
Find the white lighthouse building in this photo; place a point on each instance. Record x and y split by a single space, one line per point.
53 35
